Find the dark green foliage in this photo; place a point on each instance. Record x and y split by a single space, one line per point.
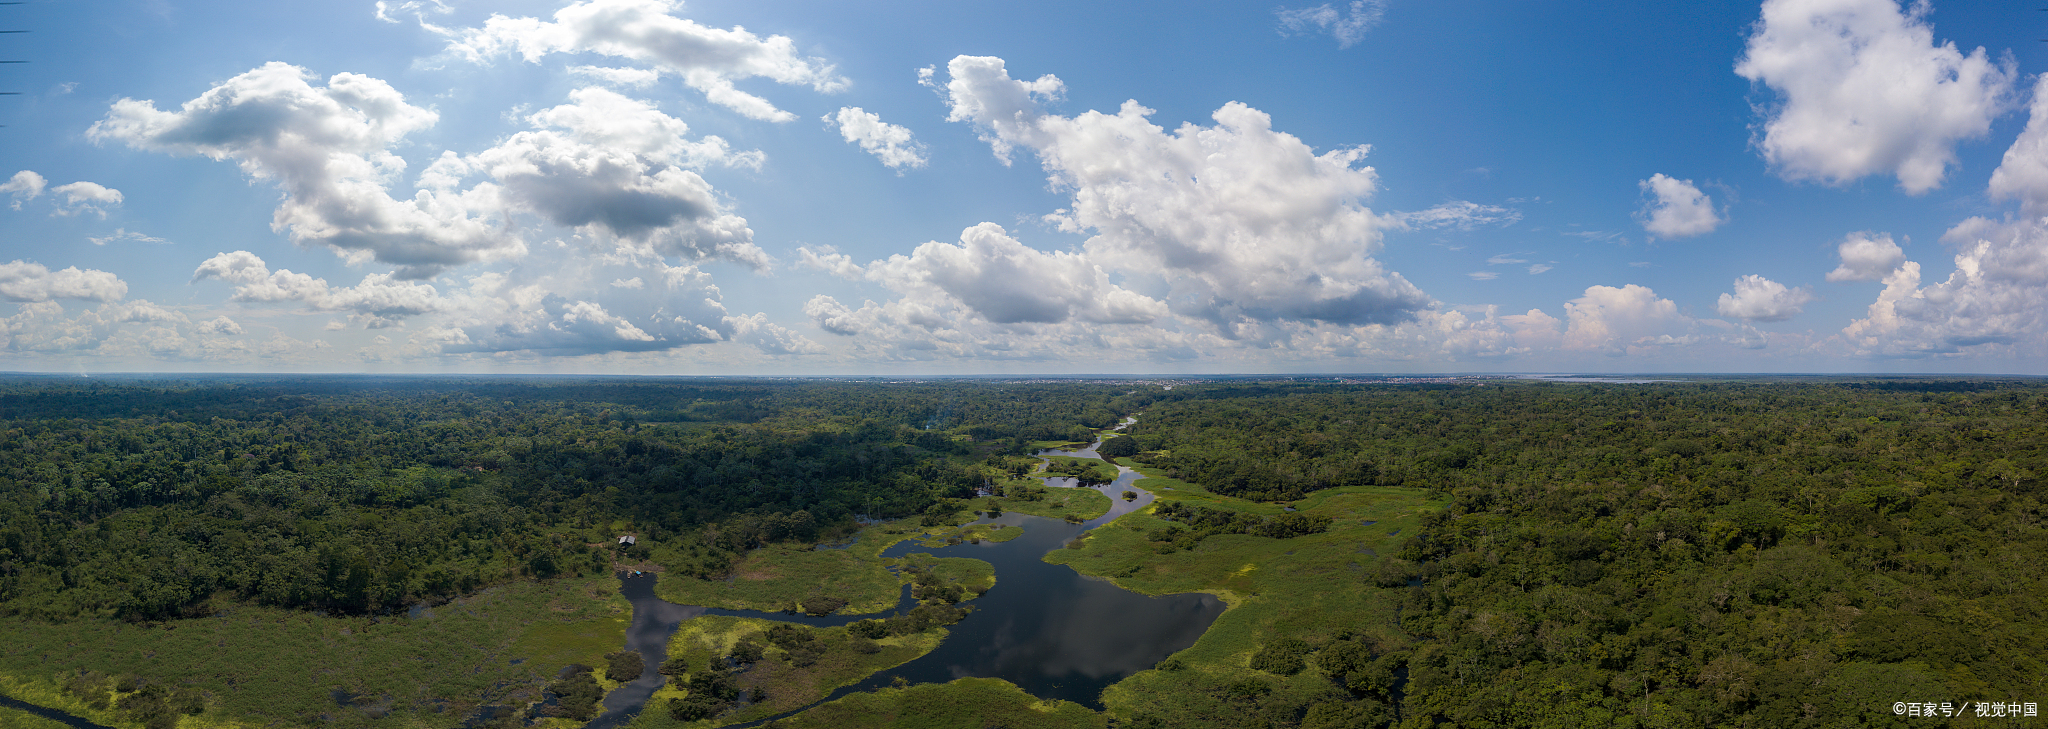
799 642
747 651
1359 714
822 606
1119 447
1723 554
871 629
143 500
1284 657
576 694
624 666
1202 521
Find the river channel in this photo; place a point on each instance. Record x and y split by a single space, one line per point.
1052 631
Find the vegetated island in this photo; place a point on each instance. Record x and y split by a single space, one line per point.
284 551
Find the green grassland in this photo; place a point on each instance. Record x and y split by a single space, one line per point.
968 703
788 686
1308 587
261 666
950 535
1058 502
1102 469
779 576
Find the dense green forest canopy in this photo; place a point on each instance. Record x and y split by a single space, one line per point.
1735 553
143 499
1723 554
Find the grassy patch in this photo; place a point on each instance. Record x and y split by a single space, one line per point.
260 666
1058 502
1308 587
947 536
788 686
1102 469
968 703
778 576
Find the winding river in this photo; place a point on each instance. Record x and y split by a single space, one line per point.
1052 631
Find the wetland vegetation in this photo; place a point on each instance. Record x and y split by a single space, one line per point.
391 552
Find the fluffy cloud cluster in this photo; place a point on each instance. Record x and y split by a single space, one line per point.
1760 299
379 300
1679 209
1003 281
647 31
494 313
617 168
890 143
1865 90
1867 257
1348 26
1999 289
328 148
27 281
611 166
1245 224
72 199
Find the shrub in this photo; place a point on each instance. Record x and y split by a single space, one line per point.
624 666
1282 656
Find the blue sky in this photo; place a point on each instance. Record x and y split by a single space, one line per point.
638 186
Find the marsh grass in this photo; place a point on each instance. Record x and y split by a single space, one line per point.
1308 587
1058 502
1102 469
262 667
967 703
779 576
788 686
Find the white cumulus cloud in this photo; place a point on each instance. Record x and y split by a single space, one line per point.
1864 89
27 281
328 148
1007 282
1613 320
1867 257
1246 224
647 31
1760 299
23 186
618 168
1680 210
890 143
1999 290
85 197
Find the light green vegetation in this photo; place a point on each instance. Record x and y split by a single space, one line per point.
18 719
1056 503
788 686
968 703
1054 464
1308 587
1057 445
262 666
781 576
944 536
